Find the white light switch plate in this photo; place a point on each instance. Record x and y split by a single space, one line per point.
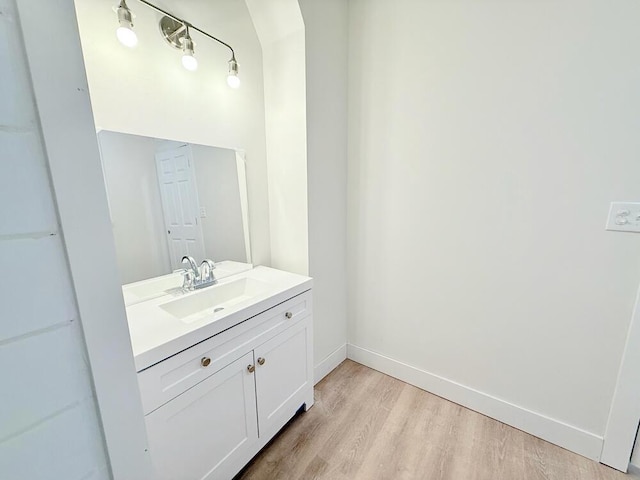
624 217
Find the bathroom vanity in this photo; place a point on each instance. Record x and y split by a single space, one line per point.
221 370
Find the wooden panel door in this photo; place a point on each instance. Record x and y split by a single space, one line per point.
210 430
176 177
282 376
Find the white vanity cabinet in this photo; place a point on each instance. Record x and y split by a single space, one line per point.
210 408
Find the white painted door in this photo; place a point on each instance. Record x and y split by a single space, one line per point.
176 177
209 431
622 427
282 371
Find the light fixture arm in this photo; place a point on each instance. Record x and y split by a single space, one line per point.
188 25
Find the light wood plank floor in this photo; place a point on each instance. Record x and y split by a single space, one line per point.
366 426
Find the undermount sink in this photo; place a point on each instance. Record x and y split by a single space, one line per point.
214 299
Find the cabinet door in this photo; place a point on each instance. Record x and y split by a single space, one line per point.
209 431
283 377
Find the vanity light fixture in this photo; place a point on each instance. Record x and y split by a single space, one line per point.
176 32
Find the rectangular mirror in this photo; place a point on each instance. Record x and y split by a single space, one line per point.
168 199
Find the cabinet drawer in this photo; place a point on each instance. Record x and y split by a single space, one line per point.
171 377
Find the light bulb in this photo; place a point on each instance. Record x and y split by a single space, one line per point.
189 62
233 81
127 36
125 32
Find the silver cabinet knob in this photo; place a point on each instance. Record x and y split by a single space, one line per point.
205 361
261 361
288 314
251 368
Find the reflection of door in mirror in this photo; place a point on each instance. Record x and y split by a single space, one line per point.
195 192
179 195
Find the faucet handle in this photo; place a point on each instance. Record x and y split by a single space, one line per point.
188 280
207 266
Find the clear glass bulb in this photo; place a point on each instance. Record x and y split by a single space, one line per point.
127 37
233 81
189 62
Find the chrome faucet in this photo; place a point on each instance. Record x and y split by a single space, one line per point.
196 278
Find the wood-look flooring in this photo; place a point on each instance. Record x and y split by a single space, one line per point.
368 426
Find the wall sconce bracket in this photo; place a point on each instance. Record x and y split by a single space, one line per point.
173 31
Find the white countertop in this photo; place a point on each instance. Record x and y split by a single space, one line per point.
156 334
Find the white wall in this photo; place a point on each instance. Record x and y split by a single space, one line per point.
280 28
146 91
305 104
129 165
50 428
326 77
486 140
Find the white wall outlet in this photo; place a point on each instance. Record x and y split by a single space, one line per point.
203 212
624 217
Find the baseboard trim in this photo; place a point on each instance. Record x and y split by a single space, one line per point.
634 470
566 436
330 362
